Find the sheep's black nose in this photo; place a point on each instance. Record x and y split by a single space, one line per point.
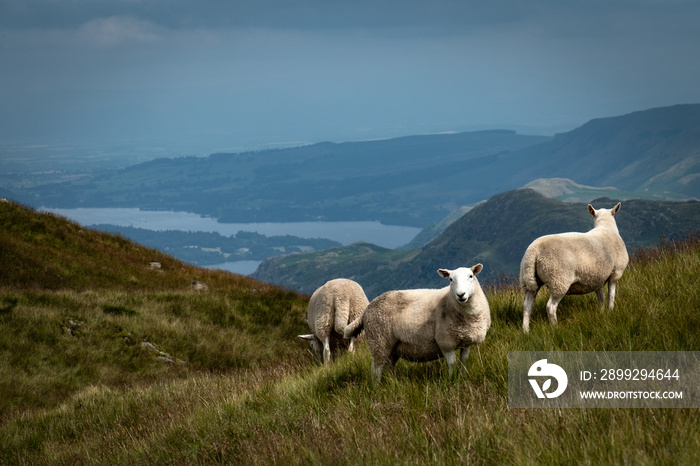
460 296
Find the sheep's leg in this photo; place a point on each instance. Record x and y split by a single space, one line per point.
351 348
327 350
377 371
600 294
611 294
392 362
451 358
527 308
552 304
463 355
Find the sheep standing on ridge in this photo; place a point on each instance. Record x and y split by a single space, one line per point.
422 325
574 263
331 307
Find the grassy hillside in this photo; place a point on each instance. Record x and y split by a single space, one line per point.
81 309
47 252
288 409
366 263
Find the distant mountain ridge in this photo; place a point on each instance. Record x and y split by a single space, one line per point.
400 181
415 180
561 189
655 150
564 189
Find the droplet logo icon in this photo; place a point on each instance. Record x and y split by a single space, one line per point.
542 369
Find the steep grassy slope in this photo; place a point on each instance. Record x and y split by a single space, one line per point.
83 309
44 251
304 413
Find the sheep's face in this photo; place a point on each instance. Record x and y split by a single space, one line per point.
317 348
463 282
315 343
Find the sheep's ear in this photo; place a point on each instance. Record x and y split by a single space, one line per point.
616 208
444 273
477 268
309 336
591 210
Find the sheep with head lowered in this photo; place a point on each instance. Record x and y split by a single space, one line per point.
330 309
423 325
574 263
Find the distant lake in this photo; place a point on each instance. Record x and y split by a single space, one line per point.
388 236
239 267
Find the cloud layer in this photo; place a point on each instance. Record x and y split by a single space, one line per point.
230 73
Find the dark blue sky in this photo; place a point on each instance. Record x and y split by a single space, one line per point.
233 74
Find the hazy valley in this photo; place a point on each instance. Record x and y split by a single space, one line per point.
431 181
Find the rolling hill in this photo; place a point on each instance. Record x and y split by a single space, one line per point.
394 181
495 233
498 231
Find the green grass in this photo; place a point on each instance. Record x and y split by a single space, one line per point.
80 308
78 387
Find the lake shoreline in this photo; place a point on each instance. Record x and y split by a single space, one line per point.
387 236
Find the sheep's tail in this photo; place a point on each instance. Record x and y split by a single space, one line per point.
528 271
354 328
342 314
